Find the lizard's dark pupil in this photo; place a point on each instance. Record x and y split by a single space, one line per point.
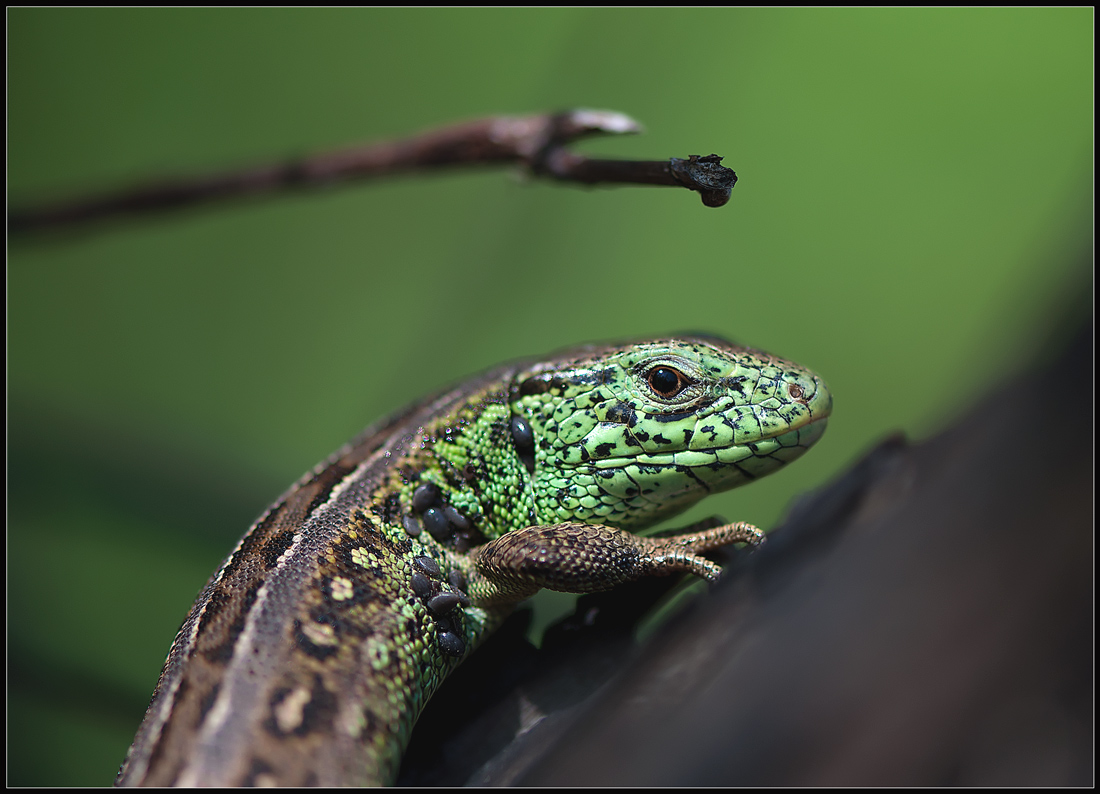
665 381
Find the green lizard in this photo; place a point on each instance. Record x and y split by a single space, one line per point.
311 651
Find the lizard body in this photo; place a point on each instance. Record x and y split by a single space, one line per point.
309 654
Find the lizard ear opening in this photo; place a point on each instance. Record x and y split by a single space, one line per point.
523 438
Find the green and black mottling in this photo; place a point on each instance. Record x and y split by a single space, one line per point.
310 653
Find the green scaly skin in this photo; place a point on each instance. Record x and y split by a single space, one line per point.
310 653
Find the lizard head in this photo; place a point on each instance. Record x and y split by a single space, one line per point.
629 434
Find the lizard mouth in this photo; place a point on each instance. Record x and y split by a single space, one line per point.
814 428
789 442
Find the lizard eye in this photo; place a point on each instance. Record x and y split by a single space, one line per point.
666 381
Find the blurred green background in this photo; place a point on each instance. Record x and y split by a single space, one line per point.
913 186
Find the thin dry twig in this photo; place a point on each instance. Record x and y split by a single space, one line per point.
537 143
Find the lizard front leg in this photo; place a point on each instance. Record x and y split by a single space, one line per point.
585 558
